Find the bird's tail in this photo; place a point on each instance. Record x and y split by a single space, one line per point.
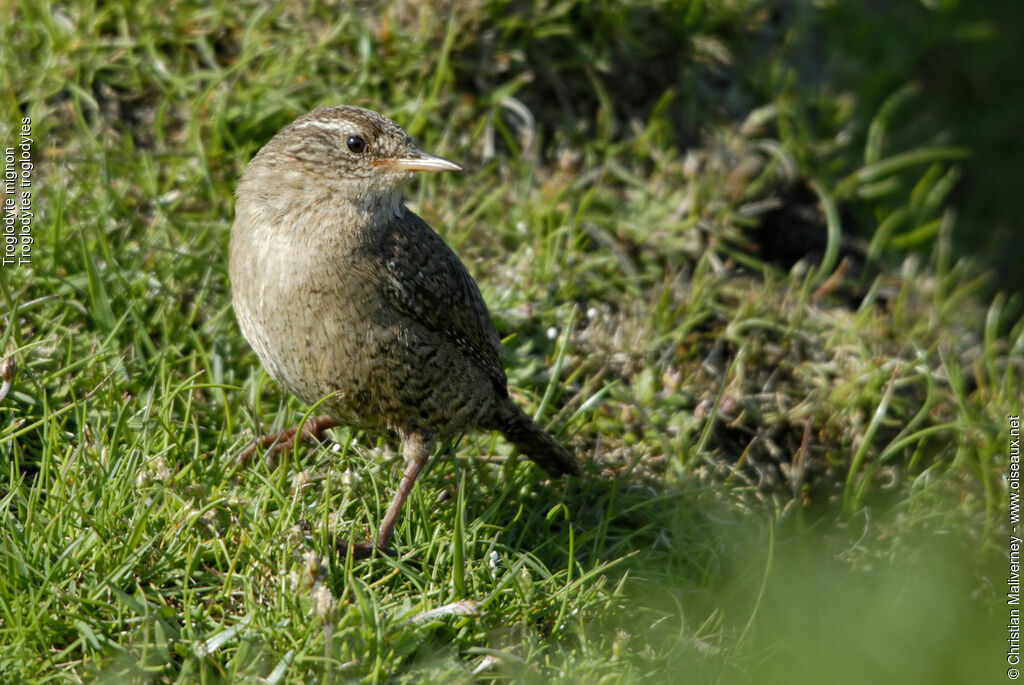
534 442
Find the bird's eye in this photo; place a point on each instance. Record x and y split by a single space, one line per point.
356 144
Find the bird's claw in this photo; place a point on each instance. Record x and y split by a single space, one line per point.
276 443
361 550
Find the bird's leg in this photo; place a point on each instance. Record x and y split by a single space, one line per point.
416 448
278 442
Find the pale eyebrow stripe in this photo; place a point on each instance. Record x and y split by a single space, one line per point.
326 125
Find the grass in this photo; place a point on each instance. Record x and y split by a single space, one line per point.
794 466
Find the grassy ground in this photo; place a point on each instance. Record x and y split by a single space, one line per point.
737 298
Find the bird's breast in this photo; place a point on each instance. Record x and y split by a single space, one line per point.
300 303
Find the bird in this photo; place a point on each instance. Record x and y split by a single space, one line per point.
351 300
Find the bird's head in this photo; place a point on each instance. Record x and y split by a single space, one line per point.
347 153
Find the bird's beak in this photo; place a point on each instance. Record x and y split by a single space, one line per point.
419 161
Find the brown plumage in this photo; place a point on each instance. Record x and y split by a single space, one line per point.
344 293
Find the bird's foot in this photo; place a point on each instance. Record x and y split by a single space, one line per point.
279 442
361 550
